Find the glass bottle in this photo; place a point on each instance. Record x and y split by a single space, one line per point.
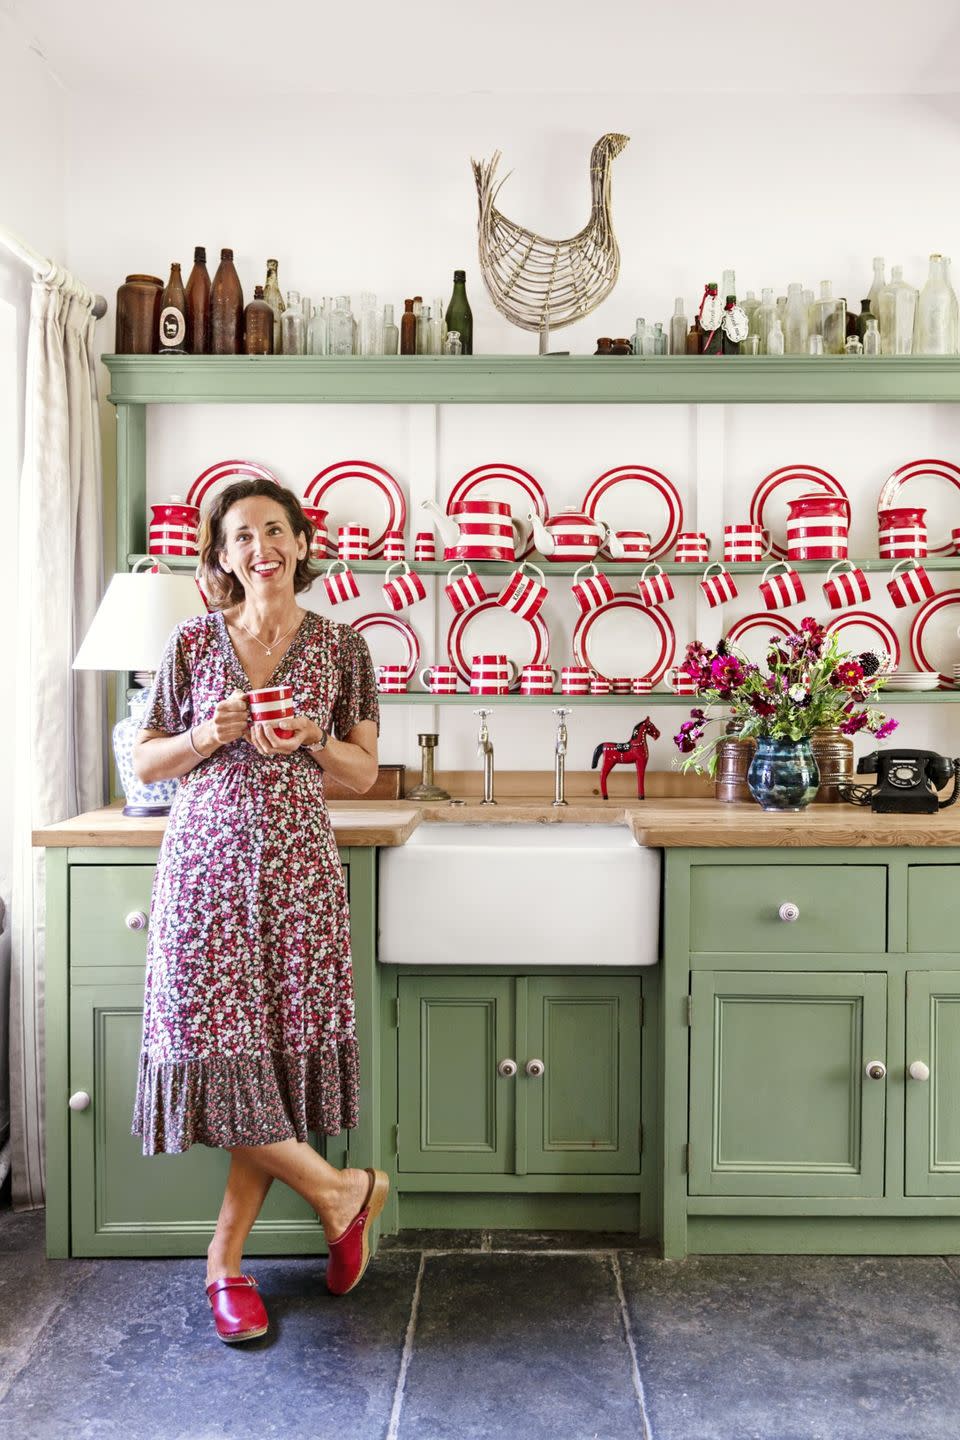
341 328
258 325
452 344
831 320
198 304
639 330
728 285
425 331
796 325
852 324
764 317
621 346
750 306
418 311
604 346
781 307
935 328
408 330
173 315
317 331
693 337
867 312
678 328
876 286
711 340
730 347
775 338
459 314
871 336
292 333
898 308
274 298
391 335
649 346
660 339
226 308
437 329
853 345
438 311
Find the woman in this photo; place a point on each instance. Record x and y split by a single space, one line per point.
249 1035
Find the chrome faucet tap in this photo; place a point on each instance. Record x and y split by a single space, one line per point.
560 759
485 748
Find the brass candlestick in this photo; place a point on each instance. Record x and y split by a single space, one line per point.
427 790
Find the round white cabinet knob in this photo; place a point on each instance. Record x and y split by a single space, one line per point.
136 920
788 911
876 1070
507 1068
919 1071
79 1100
535 1068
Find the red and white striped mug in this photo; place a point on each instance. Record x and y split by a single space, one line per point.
439 679
341 585
592 592
353 541
902 532
641 685
658 588
403 590
270 704
680 682
911 586
693 547
393 548
781 590
745 543
600 685
424 546
490 674
318 541
575 679
523 594
845 584
466 590
391 679
620 684
537 680
718 585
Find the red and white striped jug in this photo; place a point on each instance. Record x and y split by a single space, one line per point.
902 532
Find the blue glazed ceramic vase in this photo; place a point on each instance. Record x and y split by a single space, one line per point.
783 774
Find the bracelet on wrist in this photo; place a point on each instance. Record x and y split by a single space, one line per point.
193 744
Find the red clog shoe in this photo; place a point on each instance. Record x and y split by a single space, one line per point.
238 1311
350 1253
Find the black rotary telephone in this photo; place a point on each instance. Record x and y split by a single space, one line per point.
907 782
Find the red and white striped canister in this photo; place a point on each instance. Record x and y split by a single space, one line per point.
465 590
399 591
783 589
575 679
340 584
818 527
718 585
353 542
537 680
902 532
658 588
911 586
745 543
523 594
172 540
621 684
641 685
424 546
600 685
693 547
845 585
393 546
592 592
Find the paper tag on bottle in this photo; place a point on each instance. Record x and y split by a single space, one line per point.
736 326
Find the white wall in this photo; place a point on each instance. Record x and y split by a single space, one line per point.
365 193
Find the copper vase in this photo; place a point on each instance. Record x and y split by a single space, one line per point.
733 760
833 753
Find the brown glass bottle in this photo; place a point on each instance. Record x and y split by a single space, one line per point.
621 346
408 330
173 315
226 309
198 304
604 346
693 338
258 325
138 315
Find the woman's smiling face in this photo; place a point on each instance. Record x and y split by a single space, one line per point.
261 549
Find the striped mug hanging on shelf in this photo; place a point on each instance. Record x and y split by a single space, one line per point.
658 588
845 585
781 590
403 590
911 586
718 585
463 591
340 584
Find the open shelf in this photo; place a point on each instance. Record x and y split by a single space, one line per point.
609 567
885 700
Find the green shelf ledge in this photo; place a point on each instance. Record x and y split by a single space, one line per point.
613 568
530 379
887 699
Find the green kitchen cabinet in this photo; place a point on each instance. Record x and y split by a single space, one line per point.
932 1079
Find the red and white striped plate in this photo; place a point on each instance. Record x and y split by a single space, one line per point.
914 470
524 641
598 499
766 620
407 636
934 646
803 478
224 472
370 493
876 628
608 642
515 487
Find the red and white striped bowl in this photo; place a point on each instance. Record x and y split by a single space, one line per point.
845 586
465 590
537 680
523 594
575 680
592 592
401 591
353 542
782 589
745 543
342 585
718 585
911 586
657 589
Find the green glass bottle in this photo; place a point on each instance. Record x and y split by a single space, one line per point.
459 314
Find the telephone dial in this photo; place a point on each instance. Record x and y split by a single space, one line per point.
908 782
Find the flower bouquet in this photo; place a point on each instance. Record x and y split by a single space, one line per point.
809 683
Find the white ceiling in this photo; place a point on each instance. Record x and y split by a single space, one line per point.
238 49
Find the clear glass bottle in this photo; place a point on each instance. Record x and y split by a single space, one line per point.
660 339
853 345
639 331
341 328
274 298
453 344
764 317
437 328
317 331
438 311
369 324
391 334
649 340
781 307
831 320
795 321
292 331
306 310
876 286
871 336
426 330
898 309
775 338
418 311
935 328
814 344
678 328
750 306
728 285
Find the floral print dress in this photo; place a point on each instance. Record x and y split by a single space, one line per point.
249 1032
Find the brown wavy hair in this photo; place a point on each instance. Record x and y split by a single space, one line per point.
220 587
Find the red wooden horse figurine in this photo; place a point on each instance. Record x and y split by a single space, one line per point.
634 749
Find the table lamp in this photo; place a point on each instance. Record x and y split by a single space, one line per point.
129 632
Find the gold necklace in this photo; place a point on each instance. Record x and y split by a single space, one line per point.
269 648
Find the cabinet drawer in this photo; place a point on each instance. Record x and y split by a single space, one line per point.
842 908
102 897
933 908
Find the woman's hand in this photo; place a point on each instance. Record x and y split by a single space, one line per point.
263 736
228 723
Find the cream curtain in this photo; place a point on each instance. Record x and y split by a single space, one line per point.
60 714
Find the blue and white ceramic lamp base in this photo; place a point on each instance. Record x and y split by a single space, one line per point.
143 801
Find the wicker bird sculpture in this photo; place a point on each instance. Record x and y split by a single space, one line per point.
543 284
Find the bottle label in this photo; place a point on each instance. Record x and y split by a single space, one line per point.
173 326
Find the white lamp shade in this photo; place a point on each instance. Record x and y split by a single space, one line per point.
131 628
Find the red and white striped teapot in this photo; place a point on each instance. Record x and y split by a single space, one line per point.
570 535
480 528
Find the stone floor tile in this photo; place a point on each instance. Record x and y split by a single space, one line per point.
527 1346
565 1240
432 1240
32 1291
797 1347
134 1354
22 1230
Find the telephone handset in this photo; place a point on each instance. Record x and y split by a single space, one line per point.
907 782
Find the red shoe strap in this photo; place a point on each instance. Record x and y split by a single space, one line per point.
231 1282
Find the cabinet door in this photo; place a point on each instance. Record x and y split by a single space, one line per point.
933 1105
456 1113
780 1103
101 899
125 1203
583 1113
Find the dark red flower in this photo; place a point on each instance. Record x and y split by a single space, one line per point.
854 722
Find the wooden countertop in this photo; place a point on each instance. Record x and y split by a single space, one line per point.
659 823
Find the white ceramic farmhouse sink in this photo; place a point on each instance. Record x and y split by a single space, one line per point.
490 894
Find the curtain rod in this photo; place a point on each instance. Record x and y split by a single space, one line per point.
45 270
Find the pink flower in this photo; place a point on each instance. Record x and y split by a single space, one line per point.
854 722
887 728
726 672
